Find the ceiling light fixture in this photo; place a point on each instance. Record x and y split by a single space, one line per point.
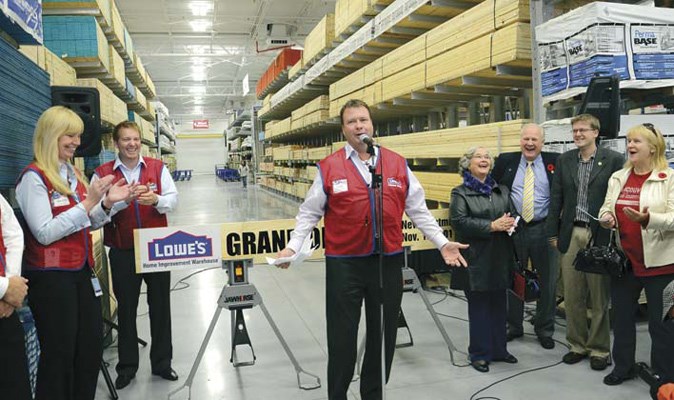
201 8
200 25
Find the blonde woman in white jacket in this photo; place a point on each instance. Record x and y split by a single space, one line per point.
640 204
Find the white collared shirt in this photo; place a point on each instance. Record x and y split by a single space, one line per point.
312 209
13 238
35 204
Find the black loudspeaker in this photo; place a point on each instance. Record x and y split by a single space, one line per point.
602 100
86 102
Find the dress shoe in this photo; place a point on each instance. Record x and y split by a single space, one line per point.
546 342
572 357
598 363
480 365
169 374
513 335
612 379
123 381
510 359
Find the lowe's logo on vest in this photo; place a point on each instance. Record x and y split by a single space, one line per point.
180 245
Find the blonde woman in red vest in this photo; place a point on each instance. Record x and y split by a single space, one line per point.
155 196
60 209
14 376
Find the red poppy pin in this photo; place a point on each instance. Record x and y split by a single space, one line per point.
551 168
662 175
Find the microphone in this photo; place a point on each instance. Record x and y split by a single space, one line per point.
366 139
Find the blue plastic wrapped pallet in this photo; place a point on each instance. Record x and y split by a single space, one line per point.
131 89
77 39
100 8
128 45
22 20
24 95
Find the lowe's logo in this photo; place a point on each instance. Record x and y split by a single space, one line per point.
180 245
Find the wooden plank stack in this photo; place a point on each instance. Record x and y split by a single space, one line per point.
311 113
472 43
60 73
452 143
438 185
319 40
113 109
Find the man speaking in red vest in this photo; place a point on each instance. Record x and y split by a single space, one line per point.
155 196
342 194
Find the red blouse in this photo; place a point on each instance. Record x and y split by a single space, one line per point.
630 231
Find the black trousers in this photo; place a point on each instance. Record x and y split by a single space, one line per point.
70 330
487 325
126 284
349 281
531 243
14 382
625 293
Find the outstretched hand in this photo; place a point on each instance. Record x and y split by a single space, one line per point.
636 216
452 256
287 252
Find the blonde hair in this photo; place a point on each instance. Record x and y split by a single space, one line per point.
589 119
656 142
55 122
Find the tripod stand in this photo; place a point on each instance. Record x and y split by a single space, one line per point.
411 283
239 294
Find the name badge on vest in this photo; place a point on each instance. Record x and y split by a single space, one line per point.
152 186
393 182
59 200
339 186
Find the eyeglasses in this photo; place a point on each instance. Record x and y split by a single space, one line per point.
481 156
581 130
651 128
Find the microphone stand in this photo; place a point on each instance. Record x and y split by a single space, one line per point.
378 189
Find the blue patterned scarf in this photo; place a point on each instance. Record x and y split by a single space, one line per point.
473 183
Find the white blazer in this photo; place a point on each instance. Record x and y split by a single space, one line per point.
658 195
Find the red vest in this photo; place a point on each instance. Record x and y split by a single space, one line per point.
119 233
3 251
350 216
68 253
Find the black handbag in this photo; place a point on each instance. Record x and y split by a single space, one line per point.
605 260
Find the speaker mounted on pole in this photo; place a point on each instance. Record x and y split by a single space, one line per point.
602 100
86 103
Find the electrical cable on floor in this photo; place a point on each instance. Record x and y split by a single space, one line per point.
472 397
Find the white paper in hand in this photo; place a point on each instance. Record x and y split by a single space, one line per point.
296 258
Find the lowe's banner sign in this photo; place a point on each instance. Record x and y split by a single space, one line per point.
177 248
194 247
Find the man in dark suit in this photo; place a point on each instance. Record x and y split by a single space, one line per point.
528 174
578 191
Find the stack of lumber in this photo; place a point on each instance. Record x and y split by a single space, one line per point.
284 152
497 137
113 110
319 40
311 113
492 33
294 70
438 185
60 73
